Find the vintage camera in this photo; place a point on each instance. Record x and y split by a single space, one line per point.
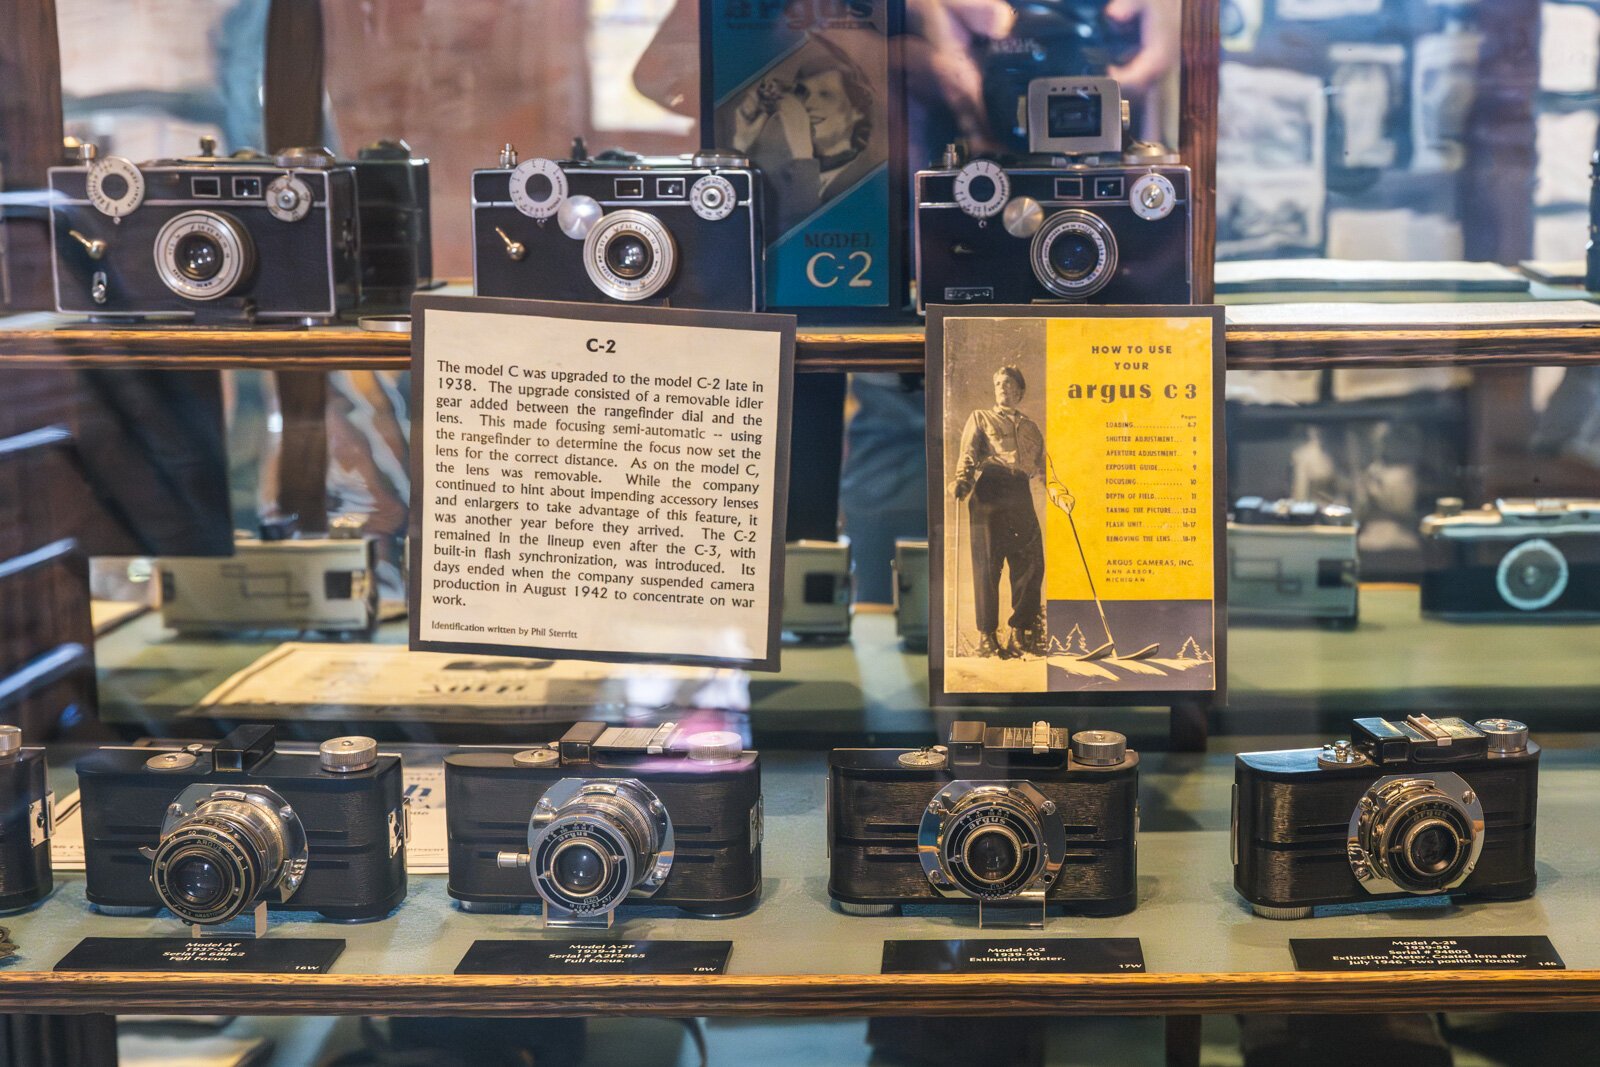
1415 808
277 581
26 823
911 592
396 227
607 815
1513 559
817 586
211 238
214 833
683 232
1083 219
1018 819
1292 559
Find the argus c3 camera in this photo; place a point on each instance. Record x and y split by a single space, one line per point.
605 816
207 237
619 228
1422 807
1084 217
1016 819
215 833
1513 559
26 824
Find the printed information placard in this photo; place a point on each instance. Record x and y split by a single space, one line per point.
1075 459
1486 953
596 957
245 955
1045 955
598 482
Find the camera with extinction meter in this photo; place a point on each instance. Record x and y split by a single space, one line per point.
211 238
1292 560
1513 559
619 228
277 581
1084 218
1423 807
606 816
26 824
1018 819
215 832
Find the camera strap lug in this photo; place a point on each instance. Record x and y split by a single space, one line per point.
42 819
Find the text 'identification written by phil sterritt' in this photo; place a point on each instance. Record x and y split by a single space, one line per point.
598 487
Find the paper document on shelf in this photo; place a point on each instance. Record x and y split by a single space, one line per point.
392 681
424 780
1555 271
1267 275
1442 313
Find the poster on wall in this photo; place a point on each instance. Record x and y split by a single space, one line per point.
1075 481
596 482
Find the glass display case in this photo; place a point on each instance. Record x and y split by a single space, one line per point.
207 525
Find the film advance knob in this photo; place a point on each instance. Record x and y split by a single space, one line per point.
716 746
1099 748
345 754
10 741
1506 736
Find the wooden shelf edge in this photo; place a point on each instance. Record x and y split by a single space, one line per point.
816 995
1294 347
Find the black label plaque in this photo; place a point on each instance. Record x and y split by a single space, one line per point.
596 957
245 955
1045 955
1526 953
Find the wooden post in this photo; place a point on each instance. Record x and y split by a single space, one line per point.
30 142
1197 133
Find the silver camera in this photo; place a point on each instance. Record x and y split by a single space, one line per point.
911 592
1292 559
276 582
817 587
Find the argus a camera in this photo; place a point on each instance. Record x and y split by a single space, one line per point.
911 592
619 228
26 824
1292 559
661 815
1513 559
1084 218
1402 809
817 585
277 581
215 833
1016 819
396 226
210 238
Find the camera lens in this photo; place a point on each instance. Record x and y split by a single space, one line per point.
199 880
992 855
198 257
628 256
224 850
1073 256
593 842
1416 834
579 868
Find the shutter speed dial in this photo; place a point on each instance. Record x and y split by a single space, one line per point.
1152 197
115 187
712 197
538 186
982 188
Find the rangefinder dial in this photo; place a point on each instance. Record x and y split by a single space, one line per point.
1153 197
712 197
288 198
537 187
982 188
116 188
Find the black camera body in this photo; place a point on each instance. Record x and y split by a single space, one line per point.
209 238
1513 559
396 226
607 815
1422 807
1081 220
620 228
211 833
26 823
1018 819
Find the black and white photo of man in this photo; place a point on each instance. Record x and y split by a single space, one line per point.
811 131
1001 456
